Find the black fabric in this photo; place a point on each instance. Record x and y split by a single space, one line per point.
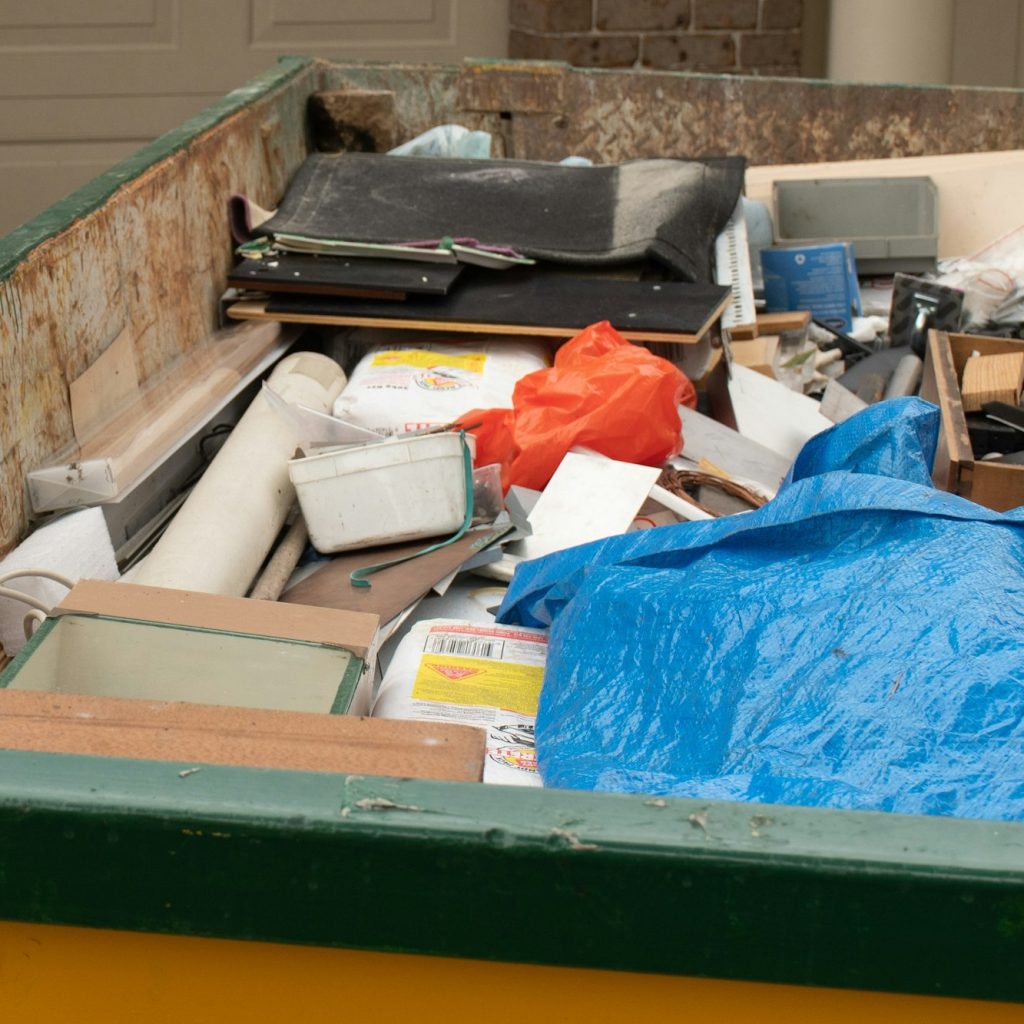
535 298
669 210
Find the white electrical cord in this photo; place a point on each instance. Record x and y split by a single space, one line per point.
39 609
35 616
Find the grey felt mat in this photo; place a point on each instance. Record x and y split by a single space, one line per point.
669 210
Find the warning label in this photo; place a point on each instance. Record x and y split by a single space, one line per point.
472 362
478 681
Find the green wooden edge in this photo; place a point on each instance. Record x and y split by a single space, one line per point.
16 245
17 663
872 901
348 686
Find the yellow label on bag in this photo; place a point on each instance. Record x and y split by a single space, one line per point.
471 362
478 681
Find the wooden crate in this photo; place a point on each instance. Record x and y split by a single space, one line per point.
996 485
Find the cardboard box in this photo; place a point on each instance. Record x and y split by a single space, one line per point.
821 278
998 486
200 735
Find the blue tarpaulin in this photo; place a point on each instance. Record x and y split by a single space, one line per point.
858 642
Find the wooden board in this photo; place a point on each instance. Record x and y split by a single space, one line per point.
105 388
256 310
391 590
316 625
771 323
205 734
538 299
992 378
556 306
999 486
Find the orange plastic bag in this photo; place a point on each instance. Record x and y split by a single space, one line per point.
603 393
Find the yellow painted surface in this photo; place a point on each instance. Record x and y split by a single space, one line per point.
79 975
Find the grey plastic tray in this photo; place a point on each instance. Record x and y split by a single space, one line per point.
892 222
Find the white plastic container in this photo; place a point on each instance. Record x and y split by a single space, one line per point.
401 489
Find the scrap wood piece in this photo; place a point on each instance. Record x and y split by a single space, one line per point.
550 305
992 378
772 323
199 735
395 588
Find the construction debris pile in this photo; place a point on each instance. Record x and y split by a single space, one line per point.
601 477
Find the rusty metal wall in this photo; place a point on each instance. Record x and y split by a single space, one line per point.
552 110
153 258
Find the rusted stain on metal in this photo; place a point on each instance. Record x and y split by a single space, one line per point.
537 88
425 95
622 115
352 120
154 258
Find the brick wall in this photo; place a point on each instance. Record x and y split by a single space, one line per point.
743 37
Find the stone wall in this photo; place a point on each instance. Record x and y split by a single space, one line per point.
741 37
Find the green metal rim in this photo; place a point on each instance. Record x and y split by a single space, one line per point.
872 901
16 245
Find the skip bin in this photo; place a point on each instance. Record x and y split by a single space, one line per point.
404 899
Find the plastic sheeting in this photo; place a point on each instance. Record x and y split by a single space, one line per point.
855 643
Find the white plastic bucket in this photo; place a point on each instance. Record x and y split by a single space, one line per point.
402 489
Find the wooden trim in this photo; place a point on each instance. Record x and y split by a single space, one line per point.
954 458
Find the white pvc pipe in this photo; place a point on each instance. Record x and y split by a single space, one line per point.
678 505
222 534
905 378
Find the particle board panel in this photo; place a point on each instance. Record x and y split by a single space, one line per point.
509 302
206 734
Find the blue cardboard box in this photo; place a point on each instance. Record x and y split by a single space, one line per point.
821 278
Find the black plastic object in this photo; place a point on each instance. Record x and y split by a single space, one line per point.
339 275
920 306
1003 412
990 436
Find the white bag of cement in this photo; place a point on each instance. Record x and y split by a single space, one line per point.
395 389
76 546
453 671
